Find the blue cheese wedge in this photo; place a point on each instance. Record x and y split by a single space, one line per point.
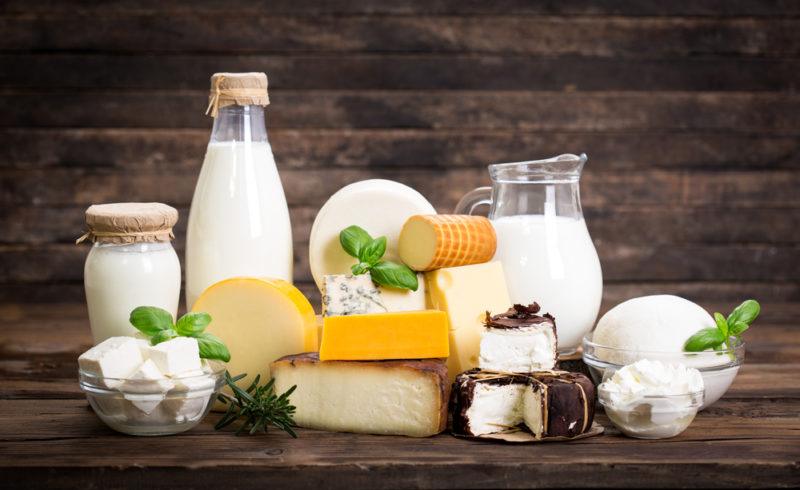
345 294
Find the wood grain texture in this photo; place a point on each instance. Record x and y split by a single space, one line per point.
51 437
508 34
183 149
699 8
450 110
688 111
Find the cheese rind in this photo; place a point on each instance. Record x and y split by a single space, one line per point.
389 397
547 403
346 294
260 320
429 242
465 294
519 341
407 335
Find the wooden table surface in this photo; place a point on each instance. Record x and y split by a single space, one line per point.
51 437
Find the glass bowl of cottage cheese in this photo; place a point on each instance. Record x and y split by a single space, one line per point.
656 328
652 399
145 390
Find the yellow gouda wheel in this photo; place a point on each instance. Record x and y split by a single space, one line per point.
260 320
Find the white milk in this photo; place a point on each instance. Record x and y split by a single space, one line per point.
118 278
551 260
239 221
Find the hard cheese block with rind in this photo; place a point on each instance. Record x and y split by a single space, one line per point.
406 398
465 294
378 206
407 335
260 320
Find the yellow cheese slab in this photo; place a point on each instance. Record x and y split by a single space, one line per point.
373 337
260 320
466 293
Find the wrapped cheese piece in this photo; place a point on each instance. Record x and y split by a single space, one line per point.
546 403
429 242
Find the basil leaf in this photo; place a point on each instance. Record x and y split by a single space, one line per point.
163 336
746 312
394 275
722 324
704 339
212 347
192 323
738 327
373 252
360 268
150 320
354 239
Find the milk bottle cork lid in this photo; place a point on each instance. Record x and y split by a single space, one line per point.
130 222
237 89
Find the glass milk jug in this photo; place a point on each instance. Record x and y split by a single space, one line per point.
239 221
543 242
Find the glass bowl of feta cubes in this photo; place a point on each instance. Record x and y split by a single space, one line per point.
145 390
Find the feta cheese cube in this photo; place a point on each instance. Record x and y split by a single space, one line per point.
145 403
146 387
115 357
147 379
176 356
192 393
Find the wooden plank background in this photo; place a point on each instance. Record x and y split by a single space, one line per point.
688 110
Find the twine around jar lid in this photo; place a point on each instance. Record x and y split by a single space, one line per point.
237 89
130 222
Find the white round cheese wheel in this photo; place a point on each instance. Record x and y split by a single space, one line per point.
660 323
379 206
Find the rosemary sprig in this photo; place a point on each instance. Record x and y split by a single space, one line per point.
259 406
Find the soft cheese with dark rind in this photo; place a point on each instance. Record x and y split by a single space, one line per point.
464 392
398 397
570 402
519 340
567 400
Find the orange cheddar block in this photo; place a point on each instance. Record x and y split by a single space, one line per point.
374 337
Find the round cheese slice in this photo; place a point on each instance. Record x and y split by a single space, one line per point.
260 320
379 206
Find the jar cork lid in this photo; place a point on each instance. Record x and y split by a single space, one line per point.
237 89
130 222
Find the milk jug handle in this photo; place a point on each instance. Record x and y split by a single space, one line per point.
473 199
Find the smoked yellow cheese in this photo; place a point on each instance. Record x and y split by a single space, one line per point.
435 241
379 336
466 293
260 320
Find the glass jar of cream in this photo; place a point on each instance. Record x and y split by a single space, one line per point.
132 263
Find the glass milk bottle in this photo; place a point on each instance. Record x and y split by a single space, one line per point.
239 221
543 242
132 263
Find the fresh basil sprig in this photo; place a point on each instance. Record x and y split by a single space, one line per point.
359 244
157 325
727 328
